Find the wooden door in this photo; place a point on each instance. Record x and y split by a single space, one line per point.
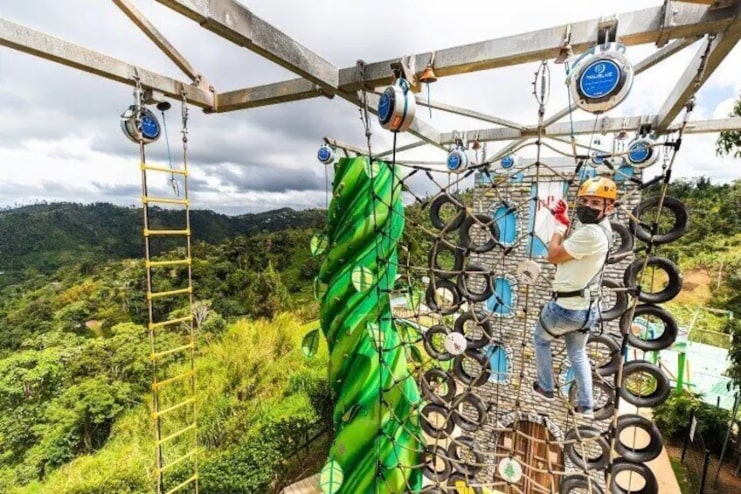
527 444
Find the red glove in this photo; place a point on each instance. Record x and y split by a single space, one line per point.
561 212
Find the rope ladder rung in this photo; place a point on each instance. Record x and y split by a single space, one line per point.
177 406
176 434
170 322
183 484
159 384
179 291
164 353
175 262
150 233
164 170
165 200
176 461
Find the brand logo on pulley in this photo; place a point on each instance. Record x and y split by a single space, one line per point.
150 127
454 161
508 161
323 154
639 152
599 79
384 106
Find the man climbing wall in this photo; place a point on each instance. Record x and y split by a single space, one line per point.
572 309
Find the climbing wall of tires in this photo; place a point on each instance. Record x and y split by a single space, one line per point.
484 427
456 365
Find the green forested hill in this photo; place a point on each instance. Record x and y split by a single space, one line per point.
74 374
44 237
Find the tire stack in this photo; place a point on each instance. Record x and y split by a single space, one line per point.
636 331
453 411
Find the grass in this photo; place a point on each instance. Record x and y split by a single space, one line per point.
681 474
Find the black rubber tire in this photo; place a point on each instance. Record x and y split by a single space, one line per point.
672 288
442 455
626 243
429 429
480 220
640 455
667 338
622 464
659 395
433 489
455 477
458 464
572 448
681 220
604 412
441 355
613 347
438 375
460 372
465 423
482 321
458 259
577 481
469 294
448 285
437 203
621 301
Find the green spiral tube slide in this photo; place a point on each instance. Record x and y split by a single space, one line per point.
377 436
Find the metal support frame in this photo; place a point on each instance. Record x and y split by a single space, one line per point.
684 22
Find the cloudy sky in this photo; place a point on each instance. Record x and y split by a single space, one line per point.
59 127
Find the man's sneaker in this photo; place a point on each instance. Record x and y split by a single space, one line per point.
582 412
546 395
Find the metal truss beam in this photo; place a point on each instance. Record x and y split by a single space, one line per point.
599 126
233 21
642 26
637 27
268 94
698 71
162 43
48 47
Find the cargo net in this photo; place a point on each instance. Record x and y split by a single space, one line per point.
464 303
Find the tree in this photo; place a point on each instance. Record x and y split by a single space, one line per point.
270 295
729 141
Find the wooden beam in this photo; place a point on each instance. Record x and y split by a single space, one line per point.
48 47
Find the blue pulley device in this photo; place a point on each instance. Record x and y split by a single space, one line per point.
597 158
509 161
325 154
601 78
397 106
458 160
142 124
643 152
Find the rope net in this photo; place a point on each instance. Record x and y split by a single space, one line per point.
442 317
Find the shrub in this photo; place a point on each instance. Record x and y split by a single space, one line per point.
674 417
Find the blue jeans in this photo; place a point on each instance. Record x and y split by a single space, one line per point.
565 322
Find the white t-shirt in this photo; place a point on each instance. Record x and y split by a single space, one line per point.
588 245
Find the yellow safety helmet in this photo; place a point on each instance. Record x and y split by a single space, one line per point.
598 187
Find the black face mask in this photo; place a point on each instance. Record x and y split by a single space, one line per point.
587 215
